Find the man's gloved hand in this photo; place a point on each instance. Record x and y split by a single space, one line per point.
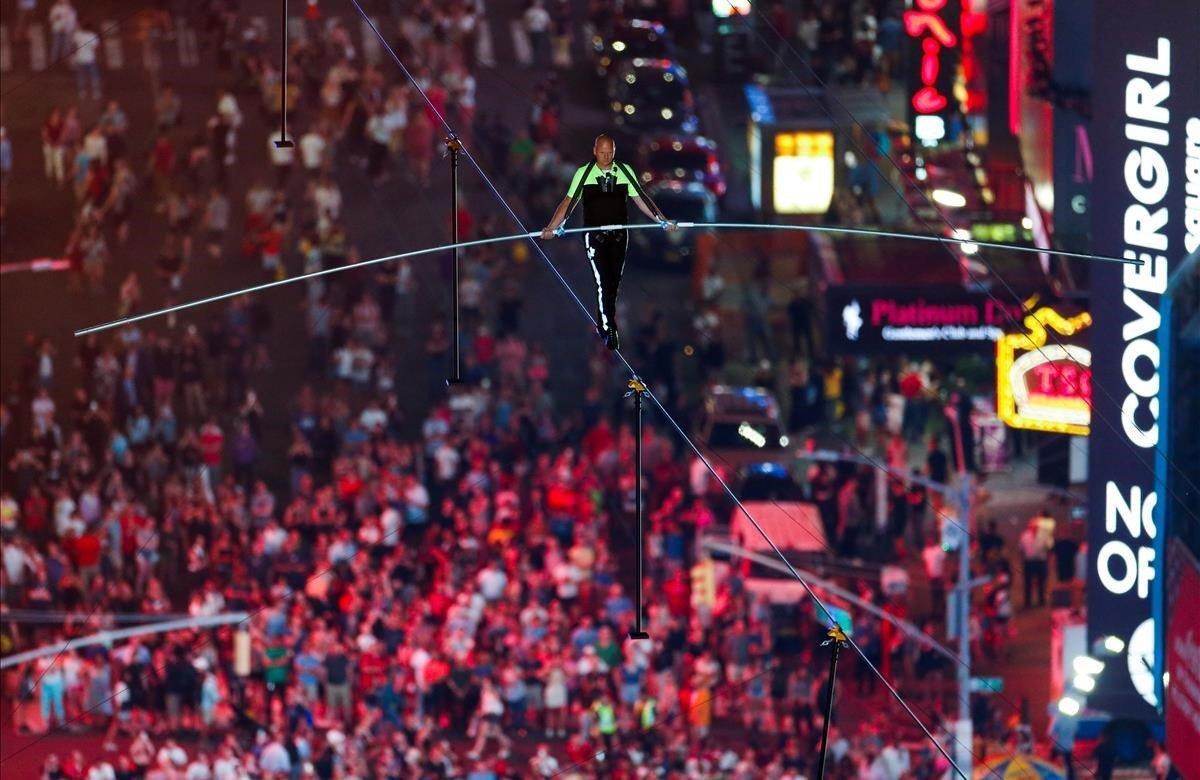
668 225
549 233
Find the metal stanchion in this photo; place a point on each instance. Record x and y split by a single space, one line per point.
637 389
837 638
453 147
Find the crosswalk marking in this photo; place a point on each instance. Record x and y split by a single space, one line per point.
152 54
485 49
370 42
520 39
5 50
113 40
37 47
185 37
114 54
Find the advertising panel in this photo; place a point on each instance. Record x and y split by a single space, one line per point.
803 171
1146 143
876 319
1183 660
1046 387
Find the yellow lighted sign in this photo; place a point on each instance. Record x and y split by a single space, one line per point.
1044 387
803 172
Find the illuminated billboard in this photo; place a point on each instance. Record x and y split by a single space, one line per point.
878 319
803 172
1045 387
1145 143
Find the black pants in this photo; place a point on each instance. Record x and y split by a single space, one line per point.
1035 582
606 253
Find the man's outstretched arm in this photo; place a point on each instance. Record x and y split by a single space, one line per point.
560 214
645 209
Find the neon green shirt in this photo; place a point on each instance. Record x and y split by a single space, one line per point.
616 169
606 718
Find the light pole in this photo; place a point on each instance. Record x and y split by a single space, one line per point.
962 602
958 613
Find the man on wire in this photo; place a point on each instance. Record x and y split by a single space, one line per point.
604 185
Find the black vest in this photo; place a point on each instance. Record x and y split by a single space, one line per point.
604 203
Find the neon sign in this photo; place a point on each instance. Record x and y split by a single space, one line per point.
1045 388
929 22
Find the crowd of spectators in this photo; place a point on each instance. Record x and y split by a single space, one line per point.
435 594
846 44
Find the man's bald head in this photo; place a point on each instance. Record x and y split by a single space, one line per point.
604 150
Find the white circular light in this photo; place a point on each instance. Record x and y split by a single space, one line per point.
1085 664
1084 683
1068 706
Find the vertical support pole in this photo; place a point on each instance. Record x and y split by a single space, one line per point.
283 142
637 389
965 735
837 638
453 147
964 730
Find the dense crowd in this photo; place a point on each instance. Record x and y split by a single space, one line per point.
426 594
846 44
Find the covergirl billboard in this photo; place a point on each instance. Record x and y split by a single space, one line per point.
1146 140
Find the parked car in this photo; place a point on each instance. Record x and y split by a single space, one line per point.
653 95
741 427
683 159
630 39
681 202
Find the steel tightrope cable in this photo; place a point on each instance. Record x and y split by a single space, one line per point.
532 235
821 605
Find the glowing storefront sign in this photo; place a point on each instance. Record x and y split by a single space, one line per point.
723 9
932 25
803 171
1045 387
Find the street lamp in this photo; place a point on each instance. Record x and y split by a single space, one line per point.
959 609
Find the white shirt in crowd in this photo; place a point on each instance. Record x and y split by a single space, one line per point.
63 18
281 155
16 563
86 45
492 582
537 19
312 150
446 458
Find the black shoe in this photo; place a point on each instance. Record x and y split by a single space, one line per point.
613 341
